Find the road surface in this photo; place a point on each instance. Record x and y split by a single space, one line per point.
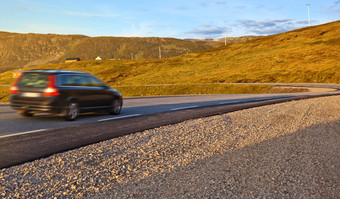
25 139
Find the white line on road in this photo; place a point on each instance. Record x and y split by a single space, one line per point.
121 117
231 102
181 108
267 98
22 133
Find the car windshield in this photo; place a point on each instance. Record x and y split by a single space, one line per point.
38 80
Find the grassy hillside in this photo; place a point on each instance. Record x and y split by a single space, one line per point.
23 50
235 40
305 55
19 50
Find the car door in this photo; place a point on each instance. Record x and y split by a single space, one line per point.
73 87
97 95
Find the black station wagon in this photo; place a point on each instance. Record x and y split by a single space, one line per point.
63 92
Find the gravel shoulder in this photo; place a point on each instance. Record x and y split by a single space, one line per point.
288 150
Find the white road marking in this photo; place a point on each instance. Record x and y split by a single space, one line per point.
231 102
121 117
181 108
22 133
267 98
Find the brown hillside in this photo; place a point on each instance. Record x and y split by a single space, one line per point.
235 40
308 55
19 50
24 50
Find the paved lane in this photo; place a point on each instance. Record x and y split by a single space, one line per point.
26 139
11 122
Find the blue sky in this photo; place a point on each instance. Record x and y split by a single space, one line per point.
197 19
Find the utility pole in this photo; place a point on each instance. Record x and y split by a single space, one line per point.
160 53
308 5
225 39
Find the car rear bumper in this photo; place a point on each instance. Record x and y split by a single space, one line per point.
45 105
36 108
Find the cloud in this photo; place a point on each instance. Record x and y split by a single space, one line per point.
270 26
282 20
92 15
248 6
205 3
181 8
302 22
259 7
262 24
336 7
209 32
21 8
241 7
271 31
221 3
143 10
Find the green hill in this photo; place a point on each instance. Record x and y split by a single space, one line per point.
305 55
25 50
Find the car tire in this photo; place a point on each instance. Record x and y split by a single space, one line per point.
26 114
116 107
71 111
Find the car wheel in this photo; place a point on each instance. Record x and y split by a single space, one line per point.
26 114
116 107
71 111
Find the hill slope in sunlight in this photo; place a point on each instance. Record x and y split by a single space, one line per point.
24 50
310 54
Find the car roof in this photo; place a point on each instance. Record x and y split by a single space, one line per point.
51 71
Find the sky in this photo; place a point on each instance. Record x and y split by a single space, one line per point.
183 19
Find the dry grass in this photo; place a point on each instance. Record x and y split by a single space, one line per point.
191 89
4 94
181 89
25 50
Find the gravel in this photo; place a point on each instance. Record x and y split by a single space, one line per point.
288 150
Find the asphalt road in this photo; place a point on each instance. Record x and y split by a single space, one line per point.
25 139
11 122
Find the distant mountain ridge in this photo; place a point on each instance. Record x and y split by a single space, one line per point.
24 50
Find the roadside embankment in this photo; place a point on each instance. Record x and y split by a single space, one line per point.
288 150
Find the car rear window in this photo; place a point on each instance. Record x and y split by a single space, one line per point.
38 80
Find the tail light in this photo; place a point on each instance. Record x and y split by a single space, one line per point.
14 89
51 90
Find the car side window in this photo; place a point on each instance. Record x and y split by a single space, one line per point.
92 81
79 80
68 80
